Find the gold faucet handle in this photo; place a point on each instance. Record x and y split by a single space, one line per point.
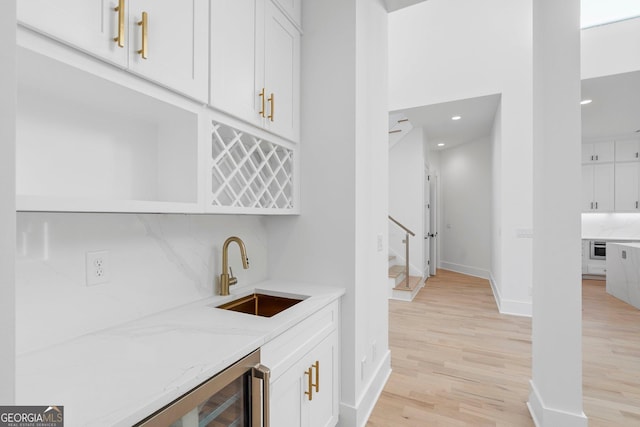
232 280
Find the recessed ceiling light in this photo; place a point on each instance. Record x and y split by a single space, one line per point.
441 144
586 101
456 118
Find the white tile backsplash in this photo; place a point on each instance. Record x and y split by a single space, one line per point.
611 226
156 262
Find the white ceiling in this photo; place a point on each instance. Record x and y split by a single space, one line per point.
615 109
399 4
476 122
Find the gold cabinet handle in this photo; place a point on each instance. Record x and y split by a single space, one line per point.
309 373
144 24
317 384
262 112
272 105
120 9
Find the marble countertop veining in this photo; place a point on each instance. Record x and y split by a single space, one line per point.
120 375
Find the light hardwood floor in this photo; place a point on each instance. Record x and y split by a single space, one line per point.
458 362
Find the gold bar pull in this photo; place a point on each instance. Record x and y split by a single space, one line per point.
272 105
120 9
309 372
144 24
317 384
262 112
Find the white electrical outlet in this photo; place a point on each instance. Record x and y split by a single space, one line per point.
97 267
363 365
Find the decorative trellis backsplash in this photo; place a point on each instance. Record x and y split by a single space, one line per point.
249 172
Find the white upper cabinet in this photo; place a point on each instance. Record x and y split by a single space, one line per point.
627 186
90 25
237 58
255 65
628 150
282 74
173 37
173 48
598 152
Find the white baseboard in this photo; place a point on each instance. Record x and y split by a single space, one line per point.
544 416
507 306
358 416
465 269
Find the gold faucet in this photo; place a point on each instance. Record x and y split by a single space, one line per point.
227 279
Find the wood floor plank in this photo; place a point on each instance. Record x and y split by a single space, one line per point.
458 362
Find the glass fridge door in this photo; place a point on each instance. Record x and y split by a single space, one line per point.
227 408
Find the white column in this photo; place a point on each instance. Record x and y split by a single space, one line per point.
556 385
7 200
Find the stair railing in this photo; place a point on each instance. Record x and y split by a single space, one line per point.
406 245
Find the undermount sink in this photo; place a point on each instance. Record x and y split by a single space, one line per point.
260 304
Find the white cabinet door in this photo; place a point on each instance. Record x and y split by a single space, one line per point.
598 152
587 188
627 179
598 188
603 191
237 58
322 409
176 44
286 399
293 8
628 150
306 395
89 25
282 73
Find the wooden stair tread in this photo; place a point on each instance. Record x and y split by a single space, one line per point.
414 281
396 270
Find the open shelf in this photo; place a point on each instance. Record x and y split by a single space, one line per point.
85 143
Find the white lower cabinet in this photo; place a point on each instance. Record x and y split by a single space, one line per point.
304 382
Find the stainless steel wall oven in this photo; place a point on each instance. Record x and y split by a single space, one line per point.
598 249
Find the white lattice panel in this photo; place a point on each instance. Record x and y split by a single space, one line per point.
249 172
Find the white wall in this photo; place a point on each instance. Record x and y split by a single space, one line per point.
610 49
464 55
556 385
7 200
156 262
496 203
465 224
406 199
344 156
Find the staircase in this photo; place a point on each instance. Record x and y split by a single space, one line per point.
398 288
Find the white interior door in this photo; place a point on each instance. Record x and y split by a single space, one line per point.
433 214
427 224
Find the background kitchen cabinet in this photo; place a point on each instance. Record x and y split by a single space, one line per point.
598 188
598 152
628 150
255 65
176 36
627 187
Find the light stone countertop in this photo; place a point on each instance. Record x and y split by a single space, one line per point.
612 239
120 375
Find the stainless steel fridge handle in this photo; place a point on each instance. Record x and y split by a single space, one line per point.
263 373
